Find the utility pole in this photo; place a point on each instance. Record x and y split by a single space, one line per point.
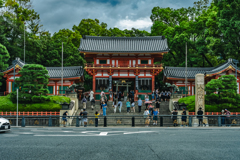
24 41
62 68
17 109
186 88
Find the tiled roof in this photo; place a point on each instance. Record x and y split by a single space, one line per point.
55 72
179 72
68 72
17 61
124 44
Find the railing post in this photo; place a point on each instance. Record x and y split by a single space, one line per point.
77 122
50 122
219 121
23 122
133 121
161 121
190 121
105 122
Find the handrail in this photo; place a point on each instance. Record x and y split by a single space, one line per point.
123 66
30 113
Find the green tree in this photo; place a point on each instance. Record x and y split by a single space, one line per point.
32 84
222 93
4 56
228 16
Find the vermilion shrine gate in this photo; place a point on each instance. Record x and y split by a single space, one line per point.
123 63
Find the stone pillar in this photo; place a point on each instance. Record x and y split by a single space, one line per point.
110 82
199 93
199 98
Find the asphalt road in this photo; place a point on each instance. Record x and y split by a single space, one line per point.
120 143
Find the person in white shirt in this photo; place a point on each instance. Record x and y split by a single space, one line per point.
102 94
91 95
146 118
114 106
133 107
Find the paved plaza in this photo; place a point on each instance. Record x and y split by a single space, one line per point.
120 143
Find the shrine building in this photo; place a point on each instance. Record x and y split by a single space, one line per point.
70 75
123 63
176 75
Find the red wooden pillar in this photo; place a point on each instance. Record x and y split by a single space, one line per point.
191 88
71 82
153 82
7 85
56 87
94 83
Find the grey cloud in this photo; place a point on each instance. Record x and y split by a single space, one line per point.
59 14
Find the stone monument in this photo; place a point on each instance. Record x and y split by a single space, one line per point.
199 98
199 93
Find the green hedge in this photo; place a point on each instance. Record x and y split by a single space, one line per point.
208 108
53 105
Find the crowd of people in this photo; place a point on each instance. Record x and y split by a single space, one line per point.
151 108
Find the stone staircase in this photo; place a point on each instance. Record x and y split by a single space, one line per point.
123 118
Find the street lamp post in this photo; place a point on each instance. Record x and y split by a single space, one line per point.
17 109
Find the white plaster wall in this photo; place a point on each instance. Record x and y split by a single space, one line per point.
54 90
9 86
97 61
149 61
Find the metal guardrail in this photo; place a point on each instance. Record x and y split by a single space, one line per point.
162 120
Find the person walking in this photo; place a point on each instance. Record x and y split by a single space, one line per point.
119 106
146 99
81 118
104 108
133 106
102 93
146 118
114 106
139 104
155 116
184 117
96 118
150 108
157 105
153 95
84 102
200 117
223 118
85 114
64 118
163 96
91 95
128 106
228 119
92 103
174 117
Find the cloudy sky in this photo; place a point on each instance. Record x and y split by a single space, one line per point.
123 14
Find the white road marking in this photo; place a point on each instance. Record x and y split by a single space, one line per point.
103 133
138 132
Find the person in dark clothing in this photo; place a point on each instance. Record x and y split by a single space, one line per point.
64 118
85 113
200 117
174 118
157 105
96 119
184 117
